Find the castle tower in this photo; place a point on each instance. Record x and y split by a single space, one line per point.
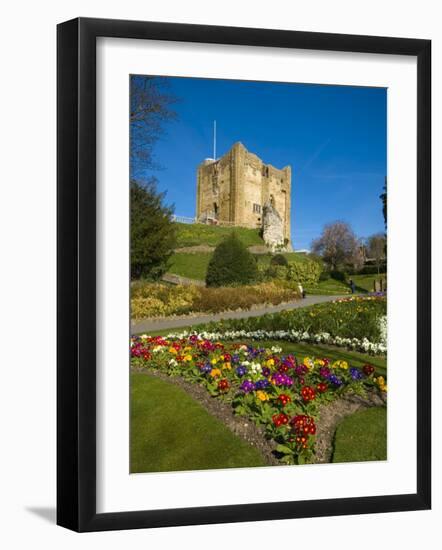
234 189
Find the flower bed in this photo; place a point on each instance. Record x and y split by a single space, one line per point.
276 391
295 336
353 320
159 300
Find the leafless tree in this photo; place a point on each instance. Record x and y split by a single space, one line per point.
337 245
376 245
150 107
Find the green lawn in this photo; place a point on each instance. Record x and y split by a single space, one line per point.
211 235
169 431
193 266
364 283
362 437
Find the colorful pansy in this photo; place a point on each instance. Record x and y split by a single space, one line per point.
223 385
308 393
247 386
260 384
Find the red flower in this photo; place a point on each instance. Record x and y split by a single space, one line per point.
284 399
280 419
368 370
303 426
308 393
223 385
322 387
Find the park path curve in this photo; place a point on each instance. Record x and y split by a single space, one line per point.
146 325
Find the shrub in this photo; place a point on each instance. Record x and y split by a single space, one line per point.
339 276
371 270
325 276
306 272
279 259
160 300
231 264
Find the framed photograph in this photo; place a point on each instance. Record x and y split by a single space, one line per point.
243 241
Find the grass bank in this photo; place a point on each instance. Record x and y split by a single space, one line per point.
169 431
362 437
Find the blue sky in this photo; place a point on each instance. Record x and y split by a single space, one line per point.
334 138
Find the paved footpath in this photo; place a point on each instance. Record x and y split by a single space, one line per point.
146 325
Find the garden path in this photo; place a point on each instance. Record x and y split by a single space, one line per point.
146 325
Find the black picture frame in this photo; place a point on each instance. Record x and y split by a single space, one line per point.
76 272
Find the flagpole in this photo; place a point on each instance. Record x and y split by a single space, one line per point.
214 139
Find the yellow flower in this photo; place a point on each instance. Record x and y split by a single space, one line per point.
270 362
262 395
215 372
187 357
214 361
227 365
340 364
308 362
187 348
173 350
320 362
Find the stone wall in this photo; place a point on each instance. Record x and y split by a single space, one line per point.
235 189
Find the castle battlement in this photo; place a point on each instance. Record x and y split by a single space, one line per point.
236 188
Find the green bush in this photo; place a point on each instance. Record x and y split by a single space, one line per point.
325 276
231 264
306 272
279 259
339 276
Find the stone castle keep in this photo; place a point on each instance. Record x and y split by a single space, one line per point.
240 190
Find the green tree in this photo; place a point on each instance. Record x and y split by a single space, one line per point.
231 264
152 232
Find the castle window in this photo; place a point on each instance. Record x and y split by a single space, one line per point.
257 208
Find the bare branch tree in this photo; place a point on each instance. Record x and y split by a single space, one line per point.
376 245
150 107
337 245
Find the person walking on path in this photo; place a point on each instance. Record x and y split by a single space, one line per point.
352 286
301 290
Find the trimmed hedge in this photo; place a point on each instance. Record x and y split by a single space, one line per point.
231 264
306 272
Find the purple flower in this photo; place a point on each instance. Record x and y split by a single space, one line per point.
206 368
241 370
281 379
300 370
262 384
235 358
266 371
335 380
247 386
355 373
324 372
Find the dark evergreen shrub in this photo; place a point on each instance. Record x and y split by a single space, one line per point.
279 259
339 276
231 264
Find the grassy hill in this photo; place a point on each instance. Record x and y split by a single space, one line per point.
211 235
